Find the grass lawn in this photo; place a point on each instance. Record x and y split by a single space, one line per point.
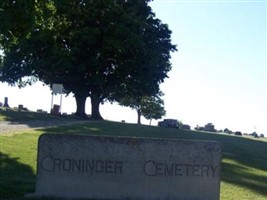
244 163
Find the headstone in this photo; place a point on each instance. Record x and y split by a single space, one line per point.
6 103
95 167
55 109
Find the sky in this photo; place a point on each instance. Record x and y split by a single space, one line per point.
219 74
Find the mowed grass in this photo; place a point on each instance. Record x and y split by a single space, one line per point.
244 160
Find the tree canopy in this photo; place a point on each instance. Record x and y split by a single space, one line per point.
105 49
151 107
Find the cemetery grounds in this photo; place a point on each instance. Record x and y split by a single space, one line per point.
244 159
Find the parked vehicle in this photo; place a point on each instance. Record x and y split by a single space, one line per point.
185 127
238 133
169 123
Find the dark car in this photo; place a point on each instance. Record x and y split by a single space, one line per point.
238 133
169 123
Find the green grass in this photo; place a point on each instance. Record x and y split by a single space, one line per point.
244 163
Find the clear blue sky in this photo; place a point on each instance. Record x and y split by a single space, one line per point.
219 73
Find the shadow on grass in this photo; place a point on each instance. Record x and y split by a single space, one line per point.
16 179
247 158
234 174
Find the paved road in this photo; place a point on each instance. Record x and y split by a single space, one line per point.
7 126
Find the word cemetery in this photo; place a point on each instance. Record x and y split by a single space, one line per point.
101 167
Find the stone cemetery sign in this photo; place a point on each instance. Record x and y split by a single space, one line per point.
96 167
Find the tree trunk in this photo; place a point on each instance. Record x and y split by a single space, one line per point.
138 116
95 102
80 103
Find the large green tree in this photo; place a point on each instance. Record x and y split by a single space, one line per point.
105 49
151 107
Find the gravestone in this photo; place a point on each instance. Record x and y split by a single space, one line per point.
100 167
6 102
55 110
